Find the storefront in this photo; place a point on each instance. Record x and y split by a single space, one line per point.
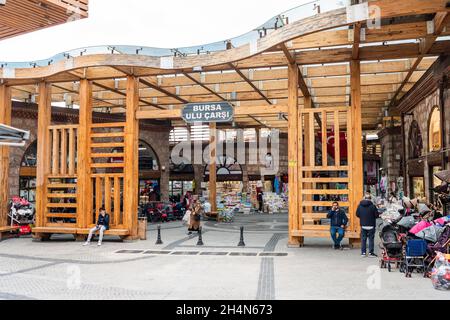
182 179
425 133
27 174
149 174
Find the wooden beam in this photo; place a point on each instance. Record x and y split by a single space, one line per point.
187 75
385 52
84 189
289 56
131 181
164 91
5 118
124 94
293 128
439 22
239 72
356 40
356 165
43 151
274 109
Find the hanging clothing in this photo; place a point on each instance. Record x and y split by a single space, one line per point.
276 185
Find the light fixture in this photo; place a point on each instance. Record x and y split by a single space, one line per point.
2 2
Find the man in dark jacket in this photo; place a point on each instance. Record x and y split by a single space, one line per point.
338 221
367 213
101 226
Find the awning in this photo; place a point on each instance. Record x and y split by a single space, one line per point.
10 136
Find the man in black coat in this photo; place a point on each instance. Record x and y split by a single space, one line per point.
101 226
367 213
338 221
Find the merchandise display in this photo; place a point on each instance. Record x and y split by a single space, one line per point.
274 203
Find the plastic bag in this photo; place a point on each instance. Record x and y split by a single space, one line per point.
407 222
440 274
187 217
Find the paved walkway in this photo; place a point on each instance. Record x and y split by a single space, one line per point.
179 269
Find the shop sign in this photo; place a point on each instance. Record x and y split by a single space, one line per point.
208 112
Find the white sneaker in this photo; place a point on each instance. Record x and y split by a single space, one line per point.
99 244
86 243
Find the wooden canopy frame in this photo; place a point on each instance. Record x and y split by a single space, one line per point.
40 14
327 71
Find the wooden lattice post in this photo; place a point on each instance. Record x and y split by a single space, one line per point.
43 151
293 154
130 200
84 185
356 158
5 118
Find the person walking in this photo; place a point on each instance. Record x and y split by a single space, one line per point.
367 213
101 226
195 217
259 197
338 221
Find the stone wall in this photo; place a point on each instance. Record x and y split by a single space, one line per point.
391 144
421 114
159 141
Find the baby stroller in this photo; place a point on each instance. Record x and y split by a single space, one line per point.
414 257
21 211
391 247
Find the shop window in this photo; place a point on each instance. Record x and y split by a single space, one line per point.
29 157
418 187
434 130
147 157
435 182
27 178
226 166
415 141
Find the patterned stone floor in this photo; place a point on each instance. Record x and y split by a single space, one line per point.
179 269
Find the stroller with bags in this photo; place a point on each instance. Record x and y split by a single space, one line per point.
414 257
21 214
441 246
391 247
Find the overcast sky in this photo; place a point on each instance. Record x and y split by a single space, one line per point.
166 24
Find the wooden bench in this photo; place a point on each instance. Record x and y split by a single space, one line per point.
5 230
319 231
44 233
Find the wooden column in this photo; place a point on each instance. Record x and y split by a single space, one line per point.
356 158
307 127
212 167
293 153
43 150
130 205
84 186
5 118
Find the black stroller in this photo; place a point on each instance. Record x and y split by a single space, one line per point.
391 247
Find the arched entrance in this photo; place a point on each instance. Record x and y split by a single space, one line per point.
149 174
27 173
182 178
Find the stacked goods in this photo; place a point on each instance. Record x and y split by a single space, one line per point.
273 202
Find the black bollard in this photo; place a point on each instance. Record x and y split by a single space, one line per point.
200 240
241 241
159 241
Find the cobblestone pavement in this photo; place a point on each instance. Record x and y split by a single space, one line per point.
179 269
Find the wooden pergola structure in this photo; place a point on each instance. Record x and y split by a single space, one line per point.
23 16
332 74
